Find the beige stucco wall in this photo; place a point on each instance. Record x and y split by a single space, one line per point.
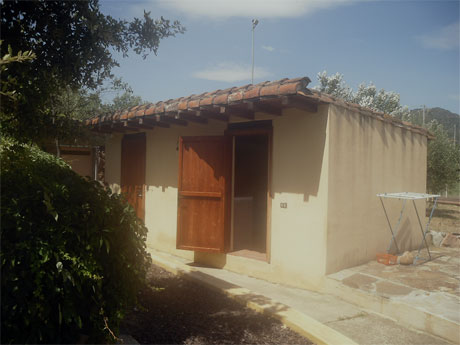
327 166
299 178
297 232
368 156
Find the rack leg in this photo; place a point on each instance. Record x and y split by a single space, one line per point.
423 232
391 229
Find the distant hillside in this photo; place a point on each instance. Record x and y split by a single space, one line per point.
448 119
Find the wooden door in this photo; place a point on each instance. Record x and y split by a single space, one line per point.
133 171
204 194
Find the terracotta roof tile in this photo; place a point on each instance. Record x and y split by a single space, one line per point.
269 90
150 110
235 96
124 115
221 99
194 103
159 107
253 92
171 106
140 111
278 88
183 103
207 100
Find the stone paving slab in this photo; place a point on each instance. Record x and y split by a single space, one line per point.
359 325
425 296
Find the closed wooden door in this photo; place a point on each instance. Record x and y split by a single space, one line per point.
133 171
204 194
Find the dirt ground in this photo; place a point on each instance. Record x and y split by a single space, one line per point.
177 311
446 218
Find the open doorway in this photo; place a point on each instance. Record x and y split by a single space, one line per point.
250 194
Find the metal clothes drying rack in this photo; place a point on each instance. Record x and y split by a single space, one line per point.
409 196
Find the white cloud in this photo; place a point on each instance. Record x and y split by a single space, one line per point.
445 38
249 8
268 48
231 72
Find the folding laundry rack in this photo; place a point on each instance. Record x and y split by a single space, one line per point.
404 196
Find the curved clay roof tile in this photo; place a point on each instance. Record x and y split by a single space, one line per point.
172 106
253 92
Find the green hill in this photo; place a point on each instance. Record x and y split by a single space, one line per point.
449 120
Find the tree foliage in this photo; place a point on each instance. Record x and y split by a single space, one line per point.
73 254
443 155
443 160
387 102
73 42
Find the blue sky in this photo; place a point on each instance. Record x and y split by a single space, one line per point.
410 47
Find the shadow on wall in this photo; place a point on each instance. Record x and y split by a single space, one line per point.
403 238
298 152
163 154
297 155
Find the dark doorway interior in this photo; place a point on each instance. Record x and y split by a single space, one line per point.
250 193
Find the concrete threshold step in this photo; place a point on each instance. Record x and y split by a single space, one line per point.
322 318
434 313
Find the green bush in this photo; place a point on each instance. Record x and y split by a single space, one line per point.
73 254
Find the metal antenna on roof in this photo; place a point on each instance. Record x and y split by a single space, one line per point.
254 24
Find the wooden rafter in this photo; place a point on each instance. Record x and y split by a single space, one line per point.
212 115
191 117
171 119
154 122
300 103
271 108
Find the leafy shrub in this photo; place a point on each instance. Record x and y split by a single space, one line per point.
72 253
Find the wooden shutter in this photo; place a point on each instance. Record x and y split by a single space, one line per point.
133 171
204 194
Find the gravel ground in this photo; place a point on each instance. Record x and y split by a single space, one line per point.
177 311
446 218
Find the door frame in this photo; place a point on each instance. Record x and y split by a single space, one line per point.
253 131
143 136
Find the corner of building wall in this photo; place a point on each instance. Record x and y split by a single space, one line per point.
113 161
327 151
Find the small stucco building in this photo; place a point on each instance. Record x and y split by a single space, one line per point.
272 180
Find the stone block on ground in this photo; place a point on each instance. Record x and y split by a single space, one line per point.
437 238
406 259
450 241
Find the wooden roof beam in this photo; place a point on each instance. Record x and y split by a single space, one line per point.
101 129
154 122
191 117
171 120
143 124
238 111
267 108
299 103
211 115
117 127
130 127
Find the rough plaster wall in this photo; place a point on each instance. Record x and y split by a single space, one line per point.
300 150
366 157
